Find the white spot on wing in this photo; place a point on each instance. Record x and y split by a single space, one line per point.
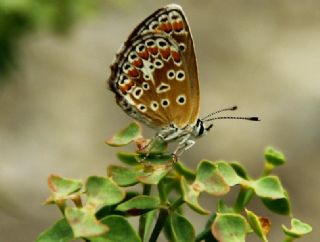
142 108
163 87
180 75
171 74
181 99
137 92
145 86
165 102
154 105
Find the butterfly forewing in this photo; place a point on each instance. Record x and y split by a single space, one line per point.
155 74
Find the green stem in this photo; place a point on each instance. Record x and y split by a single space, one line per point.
288 239
146 189
159 224
207 230
162 193
177 203
268 168
61 206
243 199
143 217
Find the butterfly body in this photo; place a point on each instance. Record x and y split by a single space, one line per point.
155 78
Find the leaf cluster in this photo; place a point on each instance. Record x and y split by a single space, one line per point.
166 187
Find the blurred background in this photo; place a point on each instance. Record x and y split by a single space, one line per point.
55 111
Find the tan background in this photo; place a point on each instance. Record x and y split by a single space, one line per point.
263 56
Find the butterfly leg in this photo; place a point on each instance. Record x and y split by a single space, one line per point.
185 144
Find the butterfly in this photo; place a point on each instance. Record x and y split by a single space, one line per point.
155 79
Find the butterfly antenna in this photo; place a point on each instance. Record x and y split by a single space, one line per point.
219 111
244 118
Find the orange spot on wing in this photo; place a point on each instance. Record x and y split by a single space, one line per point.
166 27
176 56
138 63
178 26
144 55
133 72
153 50
165 53
125 88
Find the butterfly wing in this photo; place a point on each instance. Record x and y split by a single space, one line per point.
155 75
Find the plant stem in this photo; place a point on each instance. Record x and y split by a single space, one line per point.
143 217
176 203
77 201
267 169
288 239
162 193
207 229
159 224
62 206
243 199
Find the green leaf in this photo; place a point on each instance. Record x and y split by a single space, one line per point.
123 176
60 231
298 229
280 206
155 159
229 228
182 170
268 187
103 191
261 226
223 208
128 158
120 230
240 170
126 135
209 179
181 228
228 173
274 157
153 174
62 188
190 196
150 217
84 223
157 146
139 203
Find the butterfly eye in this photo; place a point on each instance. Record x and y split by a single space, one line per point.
180 75
170 74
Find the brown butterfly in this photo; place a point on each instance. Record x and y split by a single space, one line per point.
155 78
